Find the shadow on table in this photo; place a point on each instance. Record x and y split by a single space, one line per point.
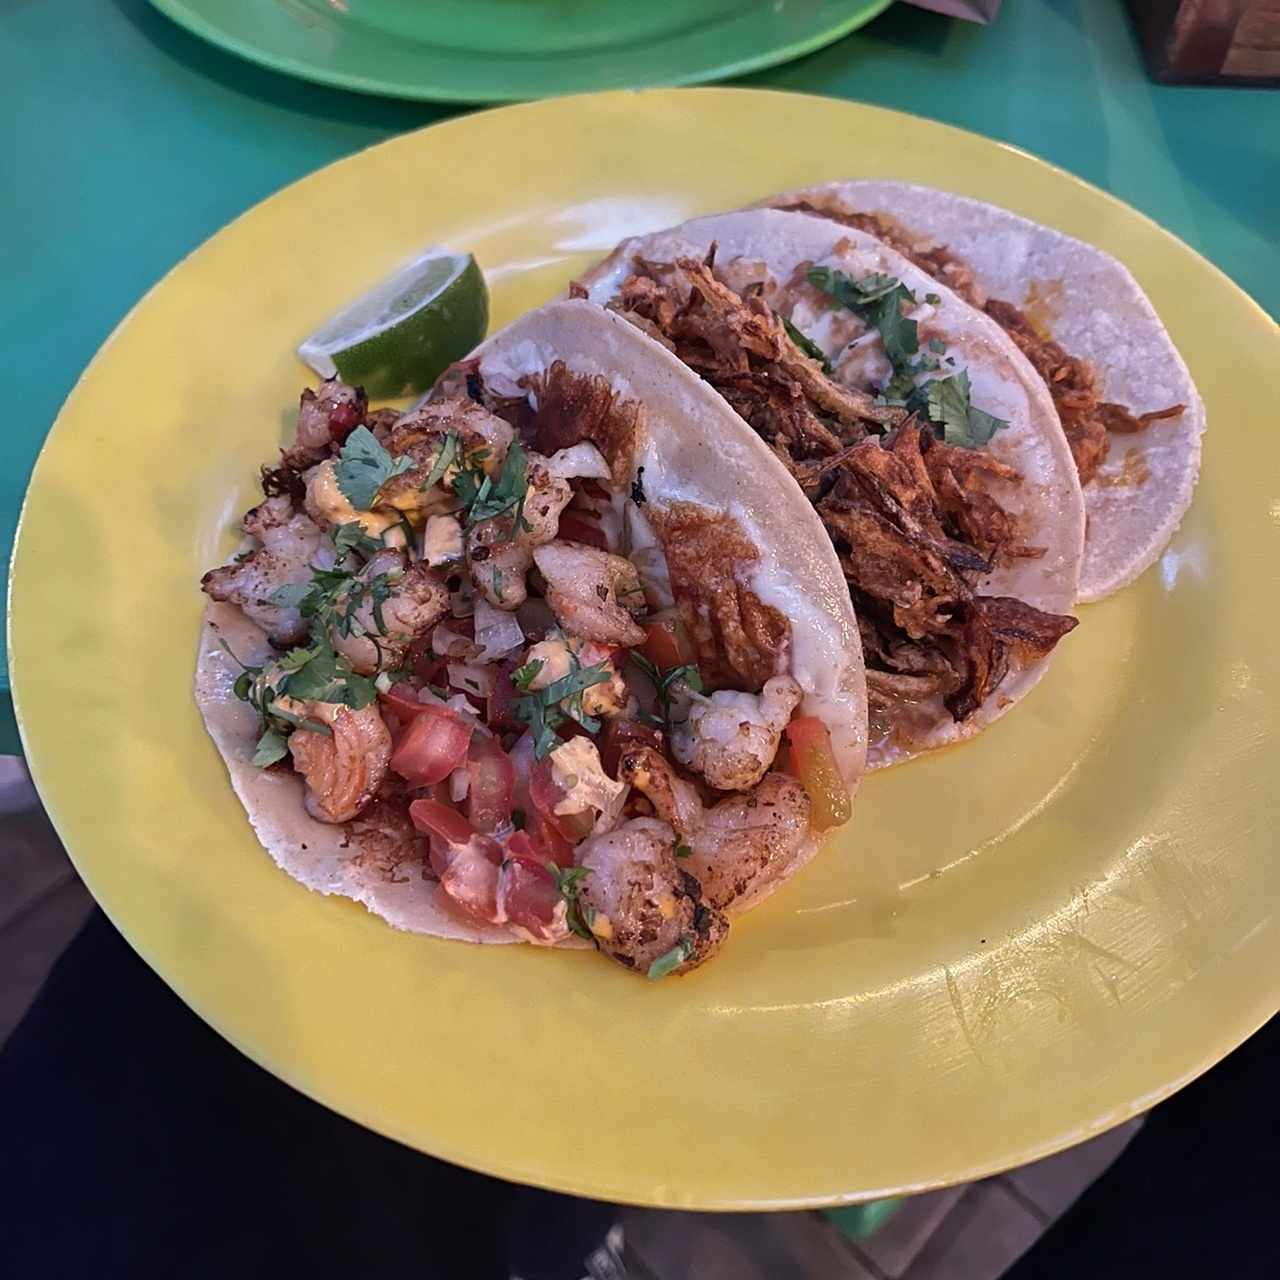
275 88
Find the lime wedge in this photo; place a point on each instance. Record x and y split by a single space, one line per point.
401 335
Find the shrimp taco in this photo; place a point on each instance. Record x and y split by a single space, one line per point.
1128 406
914 426
558 655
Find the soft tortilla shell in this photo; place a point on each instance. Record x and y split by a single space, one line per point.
697 450
1048 503
1097 311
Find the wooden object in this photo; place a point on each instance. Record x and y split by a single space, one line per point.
1210 41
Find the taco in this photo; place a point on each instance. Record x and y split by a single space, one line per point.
1128 406
517 664
920 433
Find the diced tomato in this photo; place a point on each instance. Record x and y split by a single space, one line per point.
435 818
546 793
430 670
467 862
521 844
401 700
501 700
667 644
432 747
557 846
621 734
527 893
492 780
813 761
576 529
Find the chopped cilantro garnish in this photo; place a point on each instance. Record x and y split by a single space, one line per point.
683 850
806 344
364 466
544 710
961 423
522 677
664 681
944 401
568 882
672 959
272 746
449 452
352 537
878 300
484 498
932 299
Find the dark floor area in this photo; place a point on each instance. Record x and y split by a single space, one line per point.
138 1143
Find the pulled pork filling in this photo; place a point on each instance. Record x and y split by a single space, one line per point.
503 667
1072 382
915 520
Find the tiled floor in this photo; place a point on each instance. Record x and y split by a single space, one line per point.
970 1232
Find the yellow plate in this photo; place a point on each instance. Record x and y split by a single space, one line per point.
1016 944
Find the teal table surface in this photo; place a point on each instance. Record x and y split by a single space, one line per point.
128 142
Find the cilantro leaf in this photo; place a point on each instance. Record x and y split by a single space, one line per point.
291 595
806 344
328 677
271 747
364 466
352 537
950 409
568 882
664 681
494 498
683 850
543 710
522 677
878 300
449 452
672 959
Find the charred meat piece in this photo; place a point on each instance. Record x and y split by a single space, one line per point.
326 417
639 901
741 641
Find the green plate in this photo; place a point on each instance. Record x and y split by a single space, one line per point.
507 50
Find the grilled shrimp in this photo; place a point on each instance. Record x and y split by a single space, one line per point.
417 600
591 592
640 903
326 416
420 435
731 738
499 555
342 769
741 845
291 545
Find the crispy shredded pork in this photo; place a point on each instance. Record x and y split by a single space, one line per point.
1072 382
741 641
913 519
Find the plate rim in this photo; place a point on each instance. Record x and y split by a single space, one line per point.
180 12
1244 1026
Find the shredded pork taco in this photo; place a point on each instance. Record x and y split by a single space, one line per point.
559 654
1128 407
918 431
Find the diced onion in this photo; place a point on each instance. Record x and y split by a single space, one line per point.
449 644
476 681
459 782
579 461
497 631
